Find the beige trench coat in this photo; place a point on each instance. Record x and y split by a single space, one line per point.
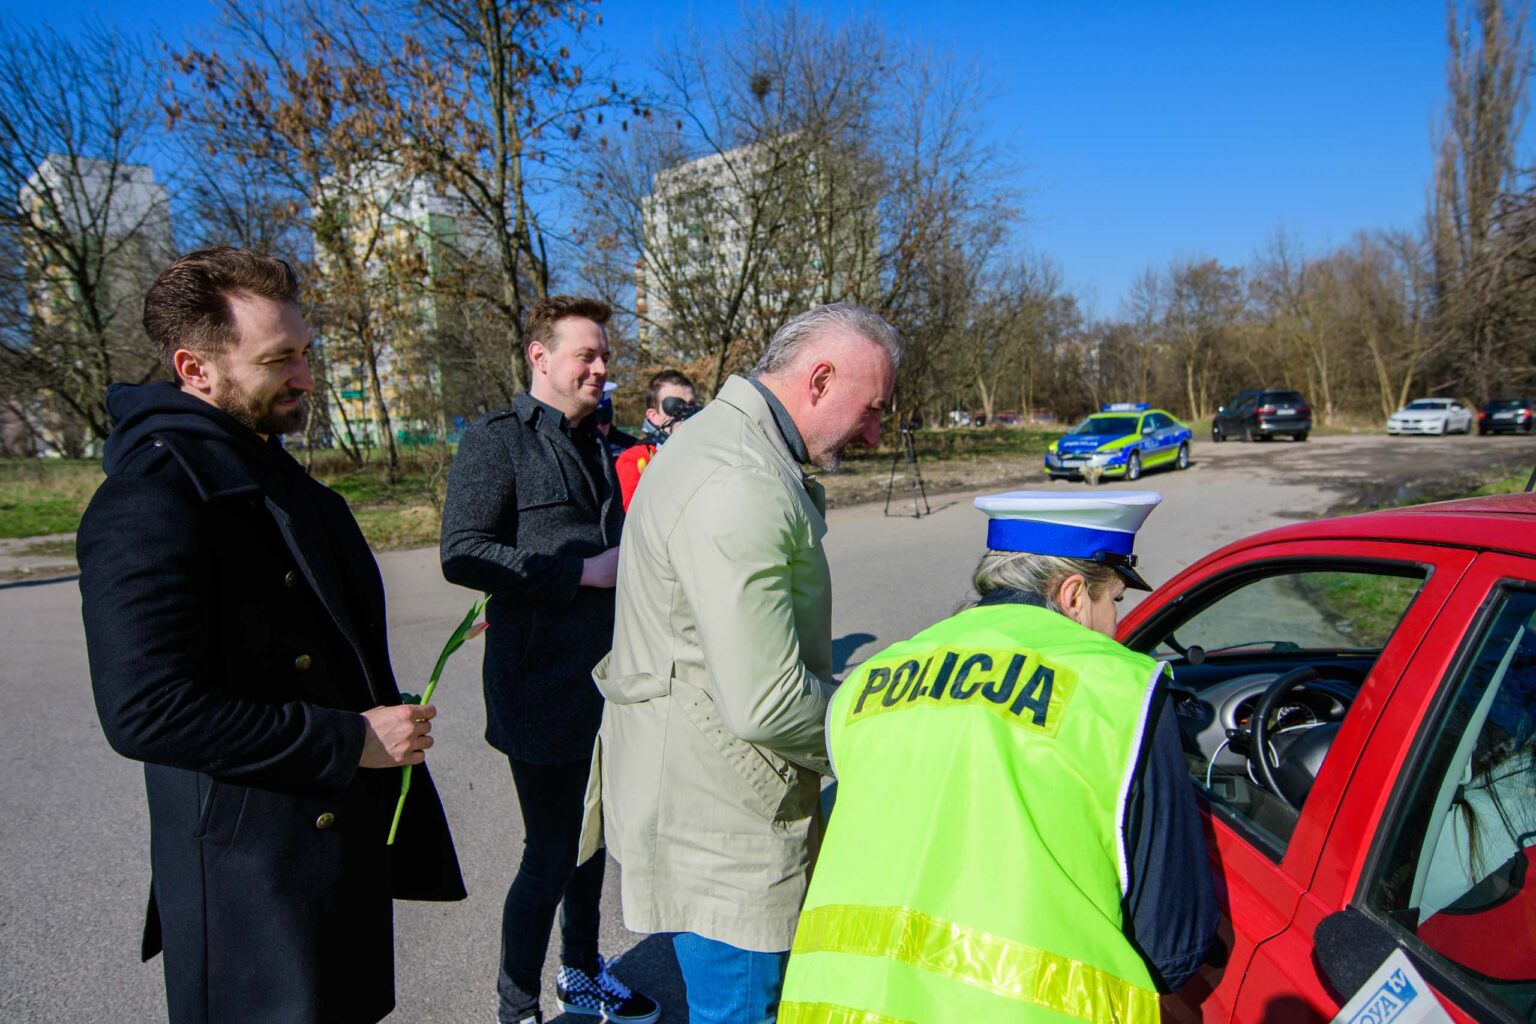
718 682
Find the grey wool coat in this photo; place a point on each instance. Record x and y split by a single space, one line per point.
529 497
713 741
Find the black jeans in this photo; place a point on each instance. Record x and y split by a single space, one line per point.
551 797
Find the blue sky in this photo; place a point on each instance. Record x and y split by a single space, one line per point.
1142 132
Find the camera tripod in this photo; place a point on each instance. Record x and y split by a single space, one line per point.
908 453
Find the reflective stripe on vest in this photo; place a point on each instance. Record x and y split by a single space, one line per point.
990 962
827 1013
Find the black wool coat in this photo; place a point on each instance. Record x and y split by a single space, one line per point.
528 499
234 617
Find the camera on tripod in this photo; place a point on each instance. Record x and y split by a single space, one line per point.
908 454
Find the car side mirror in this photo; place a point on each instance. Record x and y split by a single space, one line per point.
1348 947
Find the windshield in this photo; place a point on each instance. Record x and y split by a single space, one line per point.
1427 405
1283 398
1507 403
1305 610
1106 425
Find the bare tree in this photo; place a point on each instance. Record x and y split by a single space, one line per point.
307 98
1388 280
1476 269
1203 307
497 104
1292 290
798 162
749 195
84 227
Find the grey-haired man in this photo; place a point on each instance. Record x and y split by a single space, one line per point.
717 685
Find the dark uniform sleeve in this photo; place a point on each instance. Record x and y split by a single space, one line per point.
143 562
481 509
1170 908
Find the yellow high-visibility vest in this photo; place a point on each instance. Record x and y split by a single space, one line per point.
974 867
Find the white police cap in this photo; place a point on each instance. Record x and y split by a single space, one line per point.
1100 527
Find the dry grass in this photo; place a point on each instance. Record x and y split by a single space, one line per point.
949 460
40 497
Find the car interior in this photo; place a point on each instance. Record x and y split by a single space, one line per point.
1265 666
1458 877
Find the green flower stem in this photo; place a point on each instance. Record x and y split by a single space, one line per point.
460 635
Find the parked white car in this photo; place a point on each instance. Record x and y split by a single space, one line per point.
1431 416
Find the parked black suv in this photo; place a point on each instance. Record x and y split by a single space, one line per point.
1516 415
1260 415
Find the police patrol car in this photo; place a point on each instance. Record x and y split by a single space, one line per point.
1120 440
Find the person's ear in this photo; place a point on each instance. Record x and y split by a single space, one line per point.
536 355
821 380
1072 597
192 370
653 417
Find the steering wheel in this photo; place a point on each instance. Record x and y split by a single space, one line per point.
1290 776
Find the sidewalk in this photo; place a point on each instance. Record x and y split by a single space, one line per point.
35 559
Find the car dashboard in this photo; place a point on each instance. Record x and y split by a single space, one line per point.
1213 704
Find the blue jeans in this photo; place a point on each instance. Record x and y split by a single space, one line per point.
727 985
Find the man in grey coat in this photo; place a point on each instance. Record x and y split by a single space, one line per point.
721 669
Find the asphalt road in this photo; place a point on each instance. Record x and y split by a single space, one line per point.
73 836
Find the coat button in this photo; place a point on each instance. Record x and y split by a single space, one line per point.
159 443
325 821
291 579
302 662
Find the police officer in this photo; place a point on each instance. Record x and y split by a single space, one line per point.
616 440
1015 837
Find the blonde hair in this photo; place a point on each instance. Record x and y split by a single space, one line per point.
1040 575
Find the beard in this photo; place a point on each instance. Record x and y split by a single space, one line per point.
260 414
831 460
827 453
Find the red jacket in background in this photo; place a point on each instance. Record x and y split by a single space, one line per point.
630 465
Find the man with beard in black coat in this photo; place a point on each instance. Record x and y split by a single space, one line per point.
234 617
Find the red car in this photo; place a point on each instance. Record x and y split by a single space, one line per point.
1357 699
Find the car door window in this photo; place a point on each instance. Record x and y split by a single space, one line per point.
1225 656
1457 880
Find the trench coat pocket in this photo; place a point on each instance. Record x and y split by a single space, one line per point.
219 818
592 840
780 791
629 689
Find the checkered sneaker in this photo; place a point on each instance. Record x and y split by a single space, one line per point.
602 995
